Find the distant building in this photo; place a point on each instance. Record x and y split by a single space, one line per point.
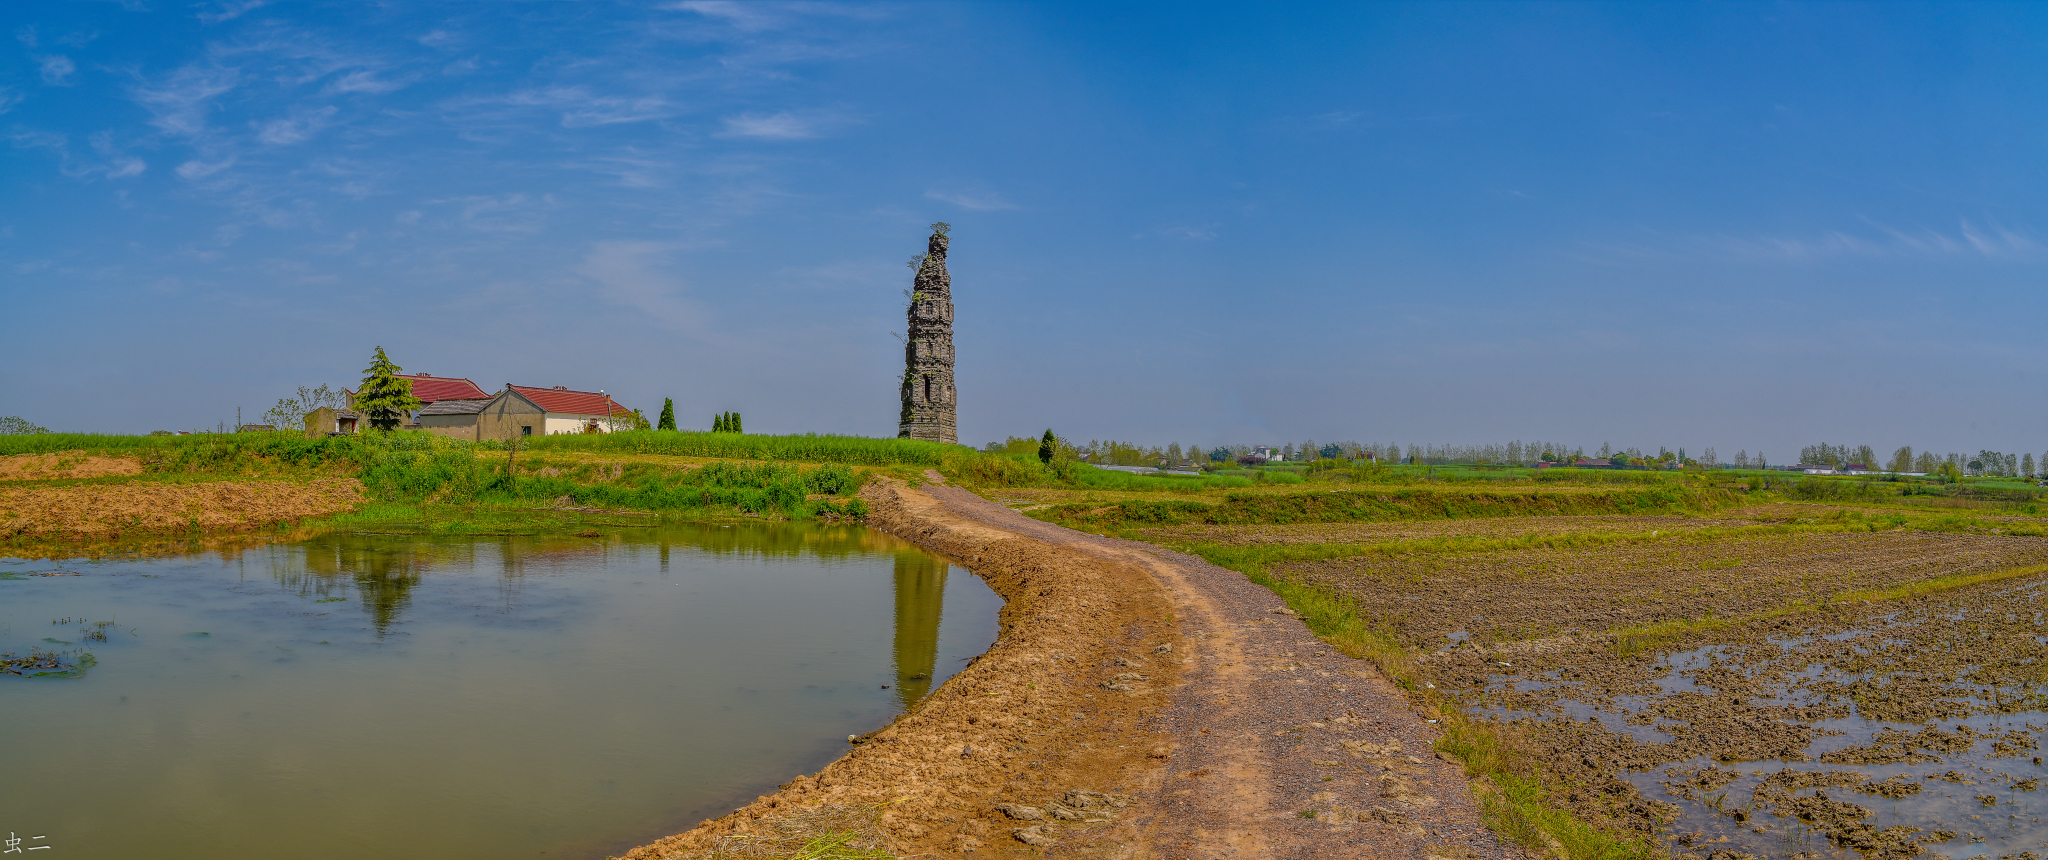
523 411
329 421
429 389
455 419
433 389
1269 454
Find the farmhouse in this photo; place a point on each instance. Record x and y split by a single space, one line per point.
434 389
430 389
524 411
329 421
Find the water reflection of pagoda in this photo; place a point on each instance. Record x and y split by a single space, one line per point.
920 596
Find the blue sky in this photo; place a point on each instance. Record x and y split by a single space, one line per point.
1750 226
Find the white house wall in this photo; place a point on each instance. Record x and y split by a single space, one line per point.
563 423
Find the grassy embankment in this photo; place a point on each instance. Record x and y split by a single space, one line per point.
423 483
1274 530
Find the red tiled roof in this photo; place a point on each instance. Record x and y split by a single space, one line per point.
431 388
564 401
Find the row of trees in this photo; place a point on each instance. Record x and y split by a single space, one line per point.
13 425
1904 459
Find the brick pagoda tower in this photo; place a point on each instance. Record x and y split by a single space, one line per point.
928 407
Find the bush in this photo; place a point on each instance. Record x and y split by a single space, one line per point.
831 480
994 470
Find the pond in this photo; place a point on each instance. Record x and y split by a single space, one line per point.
490 697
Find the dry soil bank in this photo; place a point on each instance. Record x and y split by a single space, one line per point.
65 464
96 511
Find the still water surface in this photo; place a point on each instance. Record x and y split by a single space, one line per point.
502 697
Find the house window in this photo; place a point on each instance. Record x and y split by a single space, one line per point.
525 429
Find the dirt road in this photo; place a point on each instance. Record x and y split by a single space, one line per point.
1137 704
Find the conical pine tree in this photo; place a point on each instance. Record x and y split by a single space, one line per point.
385 397
668 415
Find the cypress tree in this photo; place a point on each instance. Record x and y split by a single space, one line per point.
737 425
718 423
1046 446
668 415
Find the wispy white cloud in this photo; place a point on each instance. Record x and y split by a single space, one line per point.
112 163
8 99
973 201
501 213
229 10
633 170
759 16
746 16
56 69
366 81
301 125
181 102
612 111
27 36
1877 241
576 106
197 169
122 166
775 126
437 38
631 273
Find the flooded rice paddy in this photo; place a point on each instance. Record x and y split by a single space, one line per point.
1819 695
501 697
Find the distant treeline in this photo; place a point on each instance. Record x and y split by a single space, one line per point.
1528 453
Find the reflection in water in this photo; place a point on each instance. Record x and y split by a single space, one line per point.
385 572
920 597
248 707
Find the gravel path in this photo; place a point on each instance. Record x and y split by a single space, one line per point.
1283 747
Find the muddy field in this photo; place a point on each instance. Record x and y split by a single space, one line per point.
1748 694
